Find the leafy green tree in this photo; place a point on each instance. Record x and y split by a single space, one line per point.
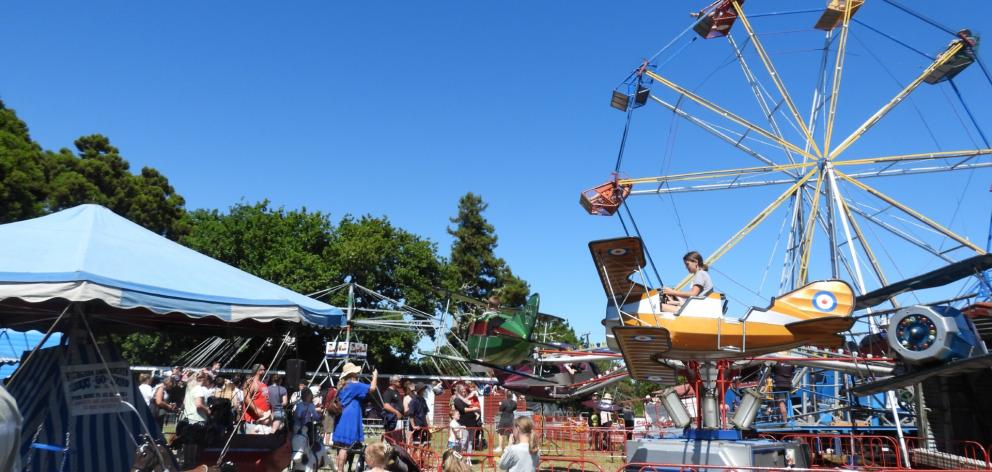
22 171
394 263
34 182
287 247
99 174
303 251
473 269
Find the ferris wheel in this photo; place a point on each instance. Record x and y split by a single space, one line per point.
842 118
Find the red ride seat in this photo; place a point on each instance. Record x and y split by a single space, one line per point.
605 199
718 21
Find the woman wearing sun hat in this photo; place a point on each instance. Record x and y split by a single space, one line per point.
351 392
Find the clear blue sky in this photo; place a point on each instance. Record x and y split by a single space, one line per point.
398 108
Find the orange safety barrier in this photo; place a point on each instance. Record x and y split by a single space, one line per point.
949 455
861 450
569 464
660 467
558 444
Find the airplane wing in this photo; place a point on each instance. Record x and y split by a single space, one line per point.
616 260
943 276
487 364
587 388
549 317
946 369
640 346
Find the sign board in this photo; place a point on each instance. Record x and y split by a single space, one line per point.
339 350
92 389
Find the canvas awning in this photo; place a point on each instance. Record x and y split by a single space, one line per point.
123 275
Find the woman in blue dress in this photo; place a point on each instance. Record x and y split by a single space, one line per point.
351 392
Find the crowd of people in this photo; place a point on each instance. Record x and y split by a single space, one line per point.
207 405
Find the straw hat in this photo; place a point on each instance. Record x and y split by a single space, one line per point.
349 369
607 397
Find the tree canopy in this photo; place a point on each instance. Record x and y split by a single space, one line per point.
304 252
474 270
299 249
34 182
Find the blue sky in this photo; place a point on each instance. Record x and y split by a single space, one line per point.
398 108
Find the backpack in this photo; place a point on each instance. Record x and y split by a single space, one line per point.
334 407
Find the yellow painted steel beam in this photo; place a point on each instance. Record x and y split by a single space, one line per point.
709 174
776 78
726 113
799 166
915 214
736 238
810 230
869 253
924 156
947 55
838 72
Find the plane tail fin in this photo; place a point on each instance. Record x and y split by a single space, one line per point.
819 307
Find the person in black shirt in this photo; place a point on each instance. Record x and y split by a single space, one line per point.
505 426
469 416
782 381
418 415
392 404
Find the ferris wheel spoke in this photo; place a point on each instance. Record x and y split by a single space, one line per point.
838 71
707 187
874 119
913 213
807 241
759 95
712 130
776 78
970 153
897 232
866 247
752 224
710 174
725 113
918 170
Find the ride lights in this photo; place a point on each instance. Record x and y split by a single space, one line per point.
748 409
680 416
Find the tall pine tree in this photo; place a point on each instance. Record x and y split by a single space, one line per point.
474 270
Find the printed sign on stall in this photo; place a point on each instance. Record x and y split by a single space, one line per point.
92 389
339 350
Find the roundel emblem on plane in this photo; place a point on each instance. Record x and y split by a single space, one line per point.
824 301
618 251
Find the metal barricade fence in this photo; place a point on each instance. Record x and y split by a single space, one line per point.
578 445
862 451
962 455
660 467
554 464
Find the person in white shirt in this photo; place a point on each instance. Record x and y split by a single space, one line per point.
523 455
195 404
145 387
456 432
436 389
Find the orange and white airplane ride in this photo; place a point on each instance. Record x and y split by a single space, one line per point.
812 315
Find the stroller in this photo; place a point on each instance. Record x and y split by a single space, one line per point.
309 453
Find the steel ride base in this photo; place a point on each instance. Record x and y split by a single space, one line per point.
695 450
